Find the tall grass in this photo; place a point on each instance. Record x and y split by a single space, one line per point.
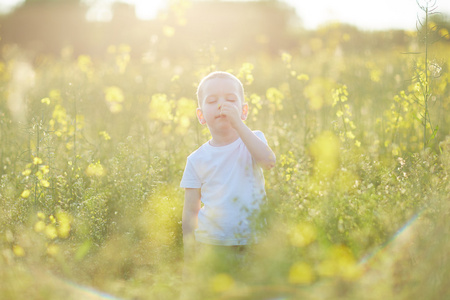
91 162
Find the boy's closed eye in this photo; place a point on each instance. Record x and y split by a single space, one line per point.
231 98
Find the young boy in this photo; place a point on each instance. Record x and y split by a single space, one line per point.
225 173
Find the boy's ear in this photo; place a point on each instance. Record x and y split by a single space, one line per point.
244 111
200 117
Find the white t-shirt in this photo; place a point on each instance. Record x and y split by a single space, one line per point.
232 188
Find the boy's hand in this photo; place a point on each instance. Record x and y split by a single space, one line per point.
232 113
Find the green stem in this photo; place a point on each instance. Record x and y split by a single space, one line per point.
342 117
426 91
37 155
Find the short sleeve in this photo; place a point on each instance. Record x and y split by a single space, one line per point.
261 136
190 178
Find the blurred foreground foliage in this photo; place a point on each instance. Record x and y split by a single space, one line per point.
92 151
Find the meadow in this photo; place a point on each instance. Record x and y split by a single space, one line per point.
93 149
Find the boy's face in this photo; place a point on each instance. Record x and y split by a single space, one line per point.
215 93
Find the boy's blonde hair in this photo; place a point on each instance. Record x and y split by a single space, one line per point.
218 74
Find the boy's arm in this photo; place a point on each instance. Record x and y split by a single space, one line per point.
261 152
190 217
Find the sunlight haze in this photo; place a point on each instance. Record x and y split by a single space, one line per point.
369 15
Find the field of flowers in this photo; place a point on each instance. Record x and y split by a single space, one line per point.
92 152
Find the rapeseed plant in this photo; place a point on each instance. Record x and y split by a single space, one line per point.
89 183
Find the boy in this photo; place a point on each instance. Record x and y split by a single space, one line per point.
225 173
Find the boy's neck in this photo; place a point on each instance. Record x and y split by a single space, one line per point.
223 139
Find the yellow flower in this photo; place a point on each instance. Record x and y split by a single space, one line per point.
46 101
301 273
105 135
325 150
18 251
340 262
302 235
276 97
95 170
52 250
44 183
39 226
60 115
37 161
222 282
64 221
114 94
25 194
160 108
444 33
45 169
303 77
432 26
245 73
50 232
350 135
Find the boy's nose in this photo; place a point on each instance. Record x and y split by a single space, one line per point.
220 103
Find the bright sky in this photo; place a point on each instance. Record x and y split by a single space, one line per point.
366 14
